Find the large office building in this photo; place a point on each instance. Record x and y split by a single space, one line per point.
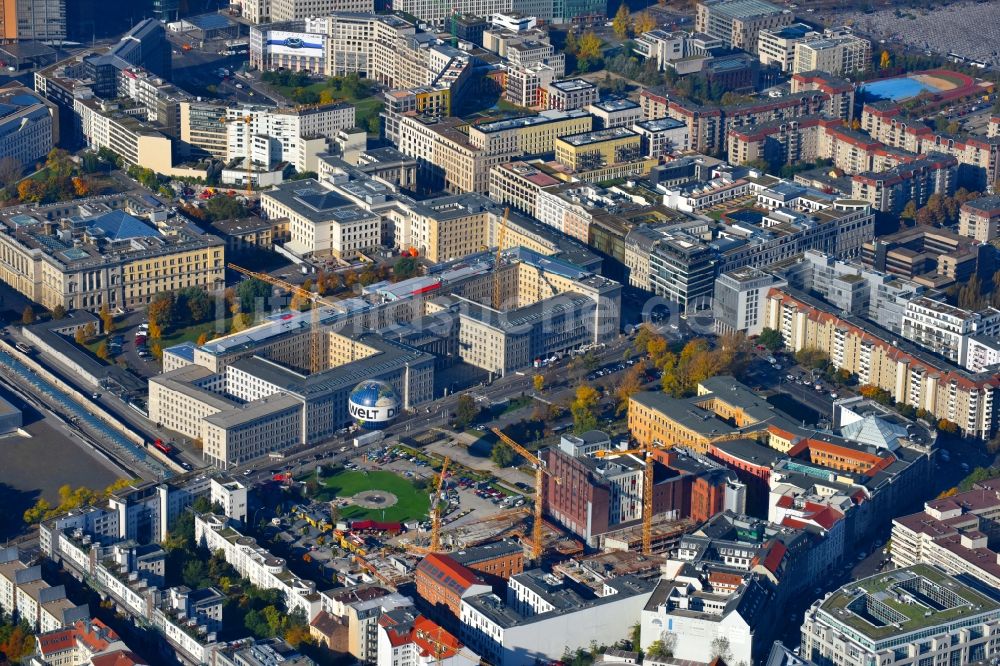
460 161
95 252
29 127
777 47
258 403
908 616
738 22
40 20
321 222
261 390
594 496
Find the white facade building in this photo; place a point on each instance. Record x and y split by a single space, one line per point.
913 616
256 564
947 330
543 616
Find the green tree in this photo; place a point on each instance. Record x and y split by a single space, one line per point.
225 207
771 339
589 46
466 411
251 291
194 304
571 44
405 268
502 455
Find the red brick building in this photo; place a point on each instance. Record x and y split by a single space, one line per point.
442 582
496 561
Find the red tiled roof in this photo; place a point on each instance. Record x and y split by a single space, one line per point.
93 634
119 658
433 640
774 557
439 567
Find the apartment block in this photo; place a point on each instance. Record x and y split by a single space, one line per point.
889 191
406 638
978 156
615 113
568 94
980 219
728 579
851 287
603 154
708 125
543 615
930 256
24 593
836 52
256 564
881 359
663 137
947 330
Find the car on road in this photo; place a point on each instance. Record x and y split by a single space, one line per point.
247 472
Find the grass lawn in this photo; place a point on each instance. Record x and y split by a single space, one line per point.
364 107
191 333
504 105
412 504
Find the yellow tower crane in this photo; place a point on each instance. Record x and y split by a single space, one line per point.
540 472
646 451
647 489
436 509
501 235
246 120
316 362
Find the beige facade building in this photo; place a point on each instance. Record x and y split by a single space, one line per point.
836 52
90 253
321 222
879 359
980 219
460 161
